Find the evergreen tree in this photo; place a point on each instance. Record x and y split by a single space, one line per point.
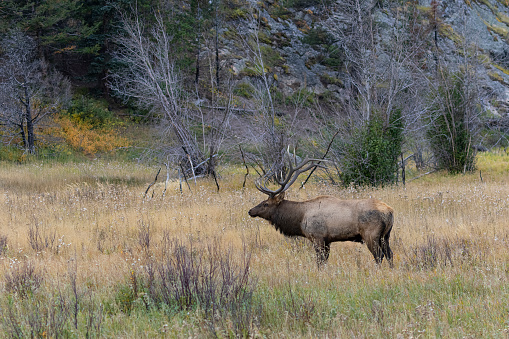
371 156
56 25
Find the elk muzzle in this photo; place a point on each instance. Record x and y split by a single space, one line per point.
252 213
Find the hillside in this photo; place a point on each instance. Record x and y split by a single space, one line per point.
215 77
303 47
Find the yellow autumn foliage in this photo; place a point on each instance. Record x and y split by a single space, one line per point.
83 137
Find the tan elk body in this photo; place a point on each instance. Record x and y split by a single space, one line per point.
327 219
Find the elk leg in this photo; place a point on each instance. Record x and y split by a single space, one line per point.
322 249
375 248
326 251
387 250
382 253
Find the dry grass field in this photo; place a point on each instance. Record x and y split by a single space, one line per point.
84 254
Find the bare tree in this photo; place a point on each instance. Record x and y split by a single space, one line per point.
275 132
29 89
381 56
383 82
215 120
150 78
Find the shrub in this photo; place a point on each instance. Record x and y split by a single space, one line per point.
301 97
451 121
125 296
237 13
335 59
252 71
434 252
329 80
12 153
90 111
40 238
83 137
278 11
46 316
244 89
370 158
23 280
205 279
271 57
318 36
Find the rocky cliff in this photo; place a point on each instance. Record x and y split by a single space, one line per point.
301 50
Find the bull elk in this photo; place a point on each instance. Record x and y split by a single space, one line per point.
325 219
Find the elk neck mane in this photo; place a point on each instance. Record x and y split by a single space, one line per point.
288 217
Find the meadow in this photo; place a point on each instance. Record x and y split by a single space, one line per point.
84 254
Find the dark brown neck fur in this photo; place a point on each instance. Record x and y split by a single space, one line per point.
288 218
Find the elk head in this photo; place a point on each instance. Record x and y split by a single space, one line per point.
267 208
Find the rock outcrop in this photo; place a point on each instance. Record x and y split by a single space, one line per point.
299 52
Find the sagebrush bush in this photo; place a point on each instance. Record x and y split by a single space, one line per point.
208 279
23 279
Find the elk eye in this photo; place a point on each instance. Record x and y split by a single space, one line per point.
265 205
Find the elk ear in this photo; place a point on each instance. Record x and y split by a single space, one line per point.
279 198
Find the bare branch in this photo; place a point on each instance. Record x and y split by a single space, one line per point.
294 170
153 182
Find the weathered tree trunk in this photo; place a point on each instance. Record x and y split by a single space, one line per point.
217 48
198 35
29 143
23 136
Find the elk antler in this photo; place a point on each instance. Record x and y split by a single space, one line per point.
294 170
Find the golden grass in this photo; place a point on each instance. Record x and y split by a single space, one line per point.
450 241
